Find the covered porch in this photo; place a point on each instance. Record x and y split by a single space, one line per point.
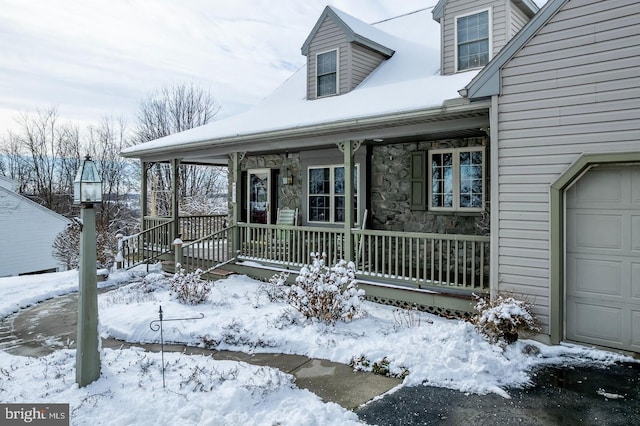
404 196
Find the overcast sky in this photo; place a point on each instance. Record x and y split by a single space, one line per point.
96 58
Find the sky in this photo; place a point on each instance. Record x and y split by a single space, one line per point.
239 315
92 59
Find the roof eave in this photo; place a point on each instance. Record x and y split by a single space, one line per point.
455 106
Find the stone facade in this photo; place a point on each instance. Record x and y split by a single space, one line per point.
390 192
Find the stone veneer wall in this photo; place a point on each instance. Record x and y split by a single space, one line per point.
288 196
390 196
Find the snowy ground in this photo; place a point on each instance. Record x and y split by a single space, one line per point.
239 316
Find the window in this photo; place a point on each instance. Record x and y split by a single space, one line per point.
327 73
456 179
327 194
472 40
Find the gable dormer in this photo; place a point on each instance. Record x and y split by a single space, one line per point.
341 52
473 31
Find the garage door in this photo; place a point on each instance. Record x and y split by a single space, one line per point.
603 258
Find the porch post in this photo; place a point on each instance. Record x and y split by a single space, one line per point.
175 216
235 192
144 205
348 148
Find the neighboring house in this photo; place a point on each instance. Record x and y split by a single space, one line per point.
565 96
27 231
387 165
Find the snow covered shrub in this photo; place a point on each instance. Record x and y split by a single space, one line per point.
327 294
190 288
153 281
276 288
502 319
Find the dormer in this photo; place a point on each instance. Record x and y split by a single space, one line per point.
473 31
341 52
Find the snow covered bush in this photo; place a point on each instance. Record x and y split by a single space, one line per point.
190 288
276 288
502 319
327 294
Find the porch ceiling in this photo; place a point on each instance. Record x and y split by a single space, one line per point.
449 121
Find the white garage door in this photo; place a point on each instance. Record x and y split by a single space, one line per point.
603 258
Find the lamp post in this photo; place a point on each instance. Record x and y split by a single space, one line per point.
87 190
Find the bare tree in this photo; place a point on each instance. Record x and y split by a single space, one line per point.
119 176
170 110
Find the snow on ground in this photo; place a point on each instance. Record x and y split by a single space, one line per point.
239 316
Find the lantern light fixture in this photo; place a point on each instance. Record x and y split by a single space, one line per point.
87 186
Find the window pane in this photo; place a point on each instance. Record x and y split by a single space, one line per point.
319 209
471 179
326 73
319 182
339 180
339 209
473 40
442 180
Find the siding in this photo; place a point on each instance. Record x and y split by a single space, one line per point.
455 8
363 62
573 89
518 19
27 231
328 37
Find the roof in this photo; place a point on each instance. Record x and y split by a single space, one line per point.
487 82
356 30
407 82
22 199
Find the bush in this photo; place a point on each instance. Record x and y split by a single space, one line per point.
327 294
190 288
502 319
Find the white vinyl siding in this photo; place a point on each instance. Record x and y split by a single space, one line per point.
363 62
518 19
27 231
572 89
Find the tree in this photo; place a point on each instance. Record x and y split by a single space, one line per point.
170 110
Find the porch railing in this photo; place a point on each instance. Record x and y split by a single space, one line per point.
443 260
289 245
191 227
145 246
196 227
208 252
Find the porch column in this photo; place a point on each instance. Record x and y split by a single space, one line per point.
144 203
235 192
348 148
175 205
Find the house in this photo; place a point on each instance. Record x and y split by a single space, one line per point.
27 231
565 113
385 163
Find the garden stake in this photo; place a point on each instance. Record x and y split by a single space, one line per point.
156 325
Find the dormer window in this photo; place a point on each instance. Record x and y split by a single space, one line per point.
473 48
327 73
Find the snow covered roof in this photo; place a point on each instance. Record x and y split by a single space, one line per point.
408 82
356 30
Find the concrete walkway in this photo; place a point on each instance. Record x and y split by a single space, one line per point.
51 325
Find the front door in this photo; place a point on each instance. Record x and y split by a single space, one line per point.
259 196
